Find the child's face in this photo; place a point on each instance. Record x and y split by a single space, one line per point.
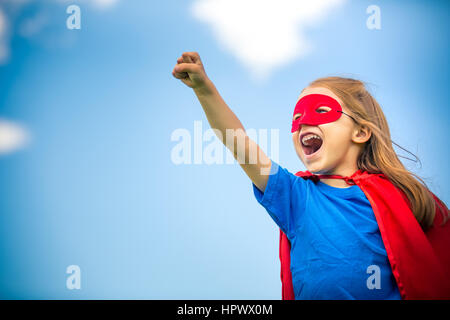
335 150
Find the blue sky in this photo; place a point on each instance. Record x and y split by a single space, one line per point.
87 178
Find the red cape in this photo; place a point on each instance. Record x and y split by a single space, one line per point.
420 261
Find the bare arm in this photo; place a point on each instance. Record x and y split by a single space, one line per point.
228 128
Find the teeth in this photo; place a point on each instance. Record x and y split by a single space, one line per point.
309 137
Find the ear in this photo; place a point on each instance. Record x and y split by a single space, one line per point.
361 134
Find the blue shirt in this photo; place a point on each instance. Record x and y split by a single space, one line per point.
336 247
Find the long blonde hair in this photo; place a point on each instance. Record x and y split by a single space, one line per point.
378 155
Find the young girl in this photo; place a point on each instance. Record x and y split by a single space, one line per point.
357 224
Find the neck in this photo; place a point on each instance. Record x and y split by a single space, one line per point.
346 167
344 171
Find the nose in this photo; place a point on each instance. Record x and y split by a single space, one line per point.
305 127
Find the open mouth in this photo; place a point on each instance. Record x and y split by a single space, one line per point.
311 143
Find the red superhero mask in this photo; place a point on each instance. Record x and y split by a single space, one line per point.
308 107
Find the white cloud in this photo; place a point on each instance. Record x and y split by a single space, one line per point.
32 25
104 3
264 34
101 4
12 137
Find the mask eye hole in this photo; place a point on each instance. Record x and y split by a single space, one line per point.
323 109
297 115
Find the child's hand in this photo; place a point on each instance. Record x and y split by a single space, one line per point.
190 71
